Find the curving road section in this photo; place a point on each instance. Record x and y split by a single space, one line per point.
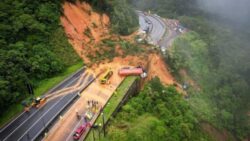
29 125
159 32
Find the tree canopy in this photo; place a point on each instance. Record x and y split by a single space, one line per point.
156 113
216 56
32 46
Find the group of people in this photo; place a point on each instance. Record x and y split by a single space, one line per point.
91 108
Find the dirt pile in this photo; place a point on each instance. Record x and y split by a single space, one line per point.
157 67
87 30
84 27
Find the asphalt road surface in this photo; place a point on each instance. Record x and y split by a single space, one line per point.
157 28
29 125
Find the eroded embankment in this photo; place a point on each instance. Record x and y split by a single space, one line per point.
86 29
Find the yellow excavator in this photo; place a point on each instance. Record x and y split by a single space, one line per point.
40 101
107 75
34 102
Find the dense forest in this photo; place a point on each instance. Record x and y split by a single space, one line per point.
34 46
157 113
215 53
123 17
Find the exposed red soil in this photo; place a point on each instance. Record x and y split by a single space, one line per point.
158 67
79 18
84 27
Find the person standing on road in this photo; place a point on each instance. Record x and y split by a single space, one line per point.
77 114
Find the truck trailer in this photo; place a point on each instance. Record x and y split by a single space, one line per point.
130 71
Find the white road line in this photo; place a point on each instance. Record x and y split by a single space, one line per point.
25 112
38 120
41 117
52 118
20 125
32 115
11 122
71 133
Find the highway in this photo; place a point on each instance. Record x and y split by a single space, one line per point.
160 32
29 125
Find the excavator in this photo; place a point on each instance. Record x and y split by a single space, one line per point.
107 75
41 101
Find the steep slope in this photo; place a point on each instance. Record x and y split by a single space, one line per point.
89 33
84 27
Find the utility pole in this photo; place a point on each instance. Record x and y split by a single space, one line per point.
104 133
99 133
93 133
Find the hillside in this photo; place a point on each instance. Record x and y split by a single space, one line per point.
33 47
212 60
197 85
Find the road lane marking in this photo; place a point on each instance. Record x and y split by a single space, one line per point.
11 122
34 113
40 118
88 82
85 82
71 133
30 115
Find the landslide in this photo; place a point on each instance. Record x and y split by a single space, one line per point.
84 27
88 30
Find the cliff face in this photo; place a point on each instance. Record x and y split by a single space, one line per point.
84 27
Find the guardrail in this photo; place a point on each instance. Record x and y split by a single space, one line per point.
130 91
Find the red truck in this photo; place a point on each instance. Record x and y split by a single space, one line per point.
132 71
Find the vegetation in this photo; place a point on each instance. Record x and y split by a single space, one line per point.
130 48
47 84
43 86
112 104
224 88
123 18
111 48
216 55
156 113
33 47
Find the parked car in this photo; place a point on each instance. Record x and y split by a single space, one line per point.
80 130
